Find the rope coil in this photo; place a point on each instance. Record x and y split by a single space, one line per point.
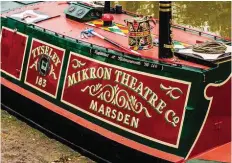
210 48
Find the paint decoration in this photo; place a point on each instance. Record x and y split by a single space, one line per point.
139 35
136 102
44 67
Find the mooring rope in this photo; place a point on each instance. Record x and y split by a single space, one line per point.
210 48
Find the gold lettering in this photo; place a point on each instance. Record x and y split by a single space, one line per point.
50 53
34 64
148 91
113 116
100 72
126 119
37 49
71 80
54 57
57 60
84 74
101 109
116 115
93 105
175 119
46 50
132 82
78 76
53 73
153 99
134 122
139 89
120 116
160 106
167 115
33 53
118 73
107 73
108 110
42 49
125 79
92 73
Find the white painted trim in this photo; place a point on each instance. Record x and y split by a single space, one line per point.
116 125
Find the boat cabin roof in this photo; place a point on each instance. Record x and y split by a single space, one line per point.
60 24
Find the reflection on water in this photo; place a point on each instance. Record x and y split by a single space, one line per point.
208 16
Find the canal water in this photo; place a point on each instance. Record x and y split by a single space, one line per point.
209 16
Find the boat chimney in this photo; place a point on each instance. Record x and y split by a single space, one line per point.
107 7
165 32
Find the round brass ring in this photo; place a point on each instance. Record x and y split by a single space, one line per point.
165 10
165 5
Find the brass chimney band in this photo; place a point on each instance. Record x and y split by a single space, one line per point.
165 4
165 7
165 10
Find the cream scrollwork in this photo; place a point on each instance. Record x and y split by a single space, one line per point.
170 91
77 64
116 96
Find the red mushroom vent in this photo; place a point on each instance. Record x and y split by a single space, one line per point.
107 19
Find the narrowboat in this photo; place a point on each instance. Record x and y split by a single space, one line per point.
120 86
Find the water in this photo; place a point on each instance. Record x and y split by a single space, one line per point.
209 16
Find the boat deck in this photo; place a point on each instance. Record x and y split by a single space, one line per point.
67 27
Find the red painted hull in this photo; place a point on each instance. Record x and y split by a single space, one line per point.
171 109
